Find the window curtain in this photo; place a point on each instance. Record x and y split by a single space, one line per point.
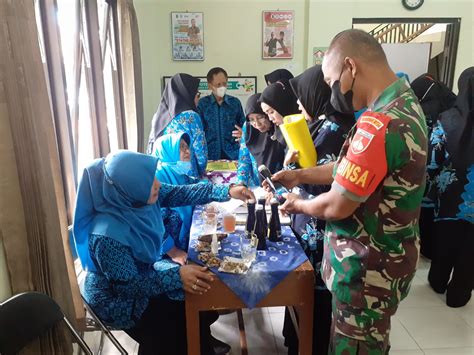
33 218
131 73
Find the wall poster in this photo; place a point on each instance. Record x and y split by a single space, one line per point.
187 30
278 34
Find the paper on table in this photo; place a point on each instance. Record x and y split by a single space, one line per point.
228 206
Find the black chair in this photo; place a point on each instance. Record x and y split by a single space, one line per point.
92 321
26 316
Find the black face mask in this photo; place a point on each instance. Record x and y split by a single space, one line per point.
342 102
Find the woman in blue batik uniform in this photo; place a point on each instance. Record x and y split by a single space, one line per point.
118 231
174 166
451 171
329 130
178 113
258 145
435 98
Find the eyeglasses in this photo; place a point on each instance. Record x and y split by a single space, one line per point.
259 118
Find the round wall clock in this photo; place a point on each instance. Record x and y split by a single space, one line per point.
412 4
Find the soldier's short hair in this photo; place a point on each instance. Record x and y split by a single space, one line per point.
359 44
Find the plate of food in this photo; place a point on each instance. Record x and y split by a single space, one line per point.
210 259
234 265
208 237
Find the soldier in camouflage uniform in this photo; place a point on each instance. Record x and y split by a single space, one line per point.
371 242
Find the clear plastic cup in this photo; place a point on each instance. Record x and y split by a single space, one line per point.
228 222
248 247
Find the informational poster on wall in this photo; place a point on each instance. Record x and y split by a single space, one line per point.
241 87
318 55
278 33
187 30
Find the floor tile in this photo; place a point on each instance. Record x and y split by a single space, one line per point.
276 309
277 324
130 345
467 313
226 328
400 339
436 327
259 331
450 351
407 352
421 295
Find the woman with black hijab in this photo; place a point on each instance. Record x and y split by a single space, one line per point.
177 113
278 101
329 130
434 97
278 75
257 146
451 167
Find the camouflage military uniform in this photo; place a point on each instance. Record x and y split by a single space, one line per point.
370 258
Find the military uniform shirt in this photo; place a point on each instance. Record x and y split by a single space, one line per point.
370 257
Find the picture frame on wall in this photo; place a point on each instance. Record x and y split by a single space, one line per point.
278 34
187 29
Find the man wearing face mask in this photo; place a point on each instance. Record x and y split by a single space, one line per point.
372 209
222 116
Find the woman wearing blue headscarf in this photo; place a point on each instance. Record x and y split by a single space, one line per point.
174 165
118 231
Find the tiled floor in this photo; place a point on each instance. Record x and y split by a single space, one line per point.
422 325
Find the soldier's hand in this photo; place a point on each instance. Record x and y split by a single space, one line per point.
291 204
288 178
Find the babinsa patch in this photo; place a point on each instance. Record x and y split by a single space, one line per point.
361 141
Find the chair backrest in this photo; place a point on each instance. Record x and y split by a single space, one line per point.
25 317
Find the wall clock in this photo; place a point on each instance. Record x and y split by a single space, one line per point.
412 4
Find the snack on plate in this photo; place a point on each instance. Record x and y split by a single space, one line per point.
210 260
208 237
234 266
203 247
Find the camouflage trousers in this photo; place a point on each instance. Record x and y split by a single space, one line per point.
357 331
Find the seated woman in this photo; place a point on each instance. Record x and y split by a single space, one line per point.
174 166
329 130
257 146
278 75
178 113
118 231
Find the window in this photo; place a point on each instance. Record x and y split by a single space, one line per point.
79 44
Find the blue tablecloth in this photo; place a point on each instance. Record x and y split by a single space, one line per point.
268 270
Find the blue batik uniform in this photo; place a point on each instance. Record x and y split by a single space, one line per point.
247 169
189 122
119 290
219 121
451 191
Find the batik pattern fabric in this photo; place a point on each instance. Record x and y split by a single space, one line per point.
370 258
190 123
451 191
328 142
219 121
122 285
247 169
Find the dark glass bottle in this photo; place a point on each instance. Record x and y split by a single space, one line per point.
274 227
250 225
262 201
260 228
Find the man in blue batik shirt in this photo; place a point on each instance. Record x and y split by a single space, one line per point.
222 116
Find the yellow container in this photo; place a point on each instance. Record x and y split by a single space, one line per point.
296 133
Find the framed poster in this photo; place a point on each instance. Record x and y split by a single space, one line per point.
187 40
241 87
278 33
318 55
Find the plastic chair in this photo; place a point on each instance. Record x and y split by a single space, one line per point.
27 316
